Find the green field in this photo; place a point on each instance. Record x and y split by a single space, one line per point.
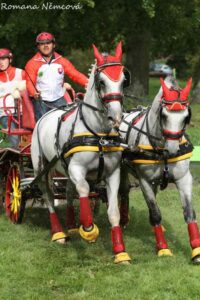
32 267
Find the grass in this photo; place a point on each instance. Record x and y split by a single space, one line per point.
32 267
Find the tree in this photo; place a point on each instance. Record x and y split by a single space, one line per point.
148 29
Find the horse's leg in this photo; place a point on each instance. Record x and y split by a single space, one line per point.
57 232
184 186
88 230
70 211
114 217
149 192
124 189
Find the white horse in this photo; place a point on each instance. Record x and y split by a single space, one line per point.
88 148
161 155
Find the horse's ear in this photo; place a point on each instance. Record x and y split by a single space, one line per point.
118 51
98 55
164 87
186 90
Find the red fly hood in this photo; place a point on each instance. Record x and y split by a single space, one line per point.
176 99
111 65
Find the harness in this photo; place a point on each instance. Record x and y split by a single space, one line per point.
86 141
145 154
152 154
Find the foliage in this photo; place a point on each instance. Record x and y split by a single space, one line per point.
148 28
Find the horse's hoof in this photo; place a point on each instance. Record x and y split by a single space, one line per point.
196 256
91 235
122 258
164 252
59 237
196 260
61 241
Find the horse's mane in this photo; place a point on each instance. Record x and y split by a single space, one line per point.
90 85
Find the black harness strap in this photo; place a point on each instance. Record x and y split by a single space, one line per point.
165 177
44 171
141 131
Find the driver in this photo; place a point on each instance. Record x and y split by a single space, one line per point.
45 75
10 80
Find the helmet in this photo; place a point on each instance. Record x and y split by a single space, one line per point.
45 37
5 53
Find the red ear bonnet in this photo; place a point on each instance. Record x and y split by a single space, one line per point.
118 51
185 92
98 56
175 99
168 95
111 65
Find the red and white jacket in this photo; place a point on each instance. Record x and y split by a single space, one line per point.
9 81
48 78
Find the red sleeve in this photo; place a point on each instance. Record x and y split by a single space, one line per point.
23 75
31 77
72 72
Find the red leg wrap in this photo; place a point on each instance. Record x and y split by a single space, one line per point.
85 212
124 210
160 239
55 224
193 231
117 240
70 217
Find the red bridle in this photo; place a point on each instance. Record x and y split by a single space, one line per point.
175 100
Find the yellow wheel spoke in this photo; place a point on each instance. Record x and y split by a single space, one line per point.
15 195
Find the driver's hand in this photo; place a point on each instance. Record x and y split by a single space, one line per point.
67 86
37 95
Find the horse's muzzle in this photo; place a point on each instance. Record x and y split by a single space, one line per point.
115 122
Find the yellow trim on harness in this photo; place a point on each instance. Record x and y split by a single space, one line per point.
170 160
149 147
99 134
92 149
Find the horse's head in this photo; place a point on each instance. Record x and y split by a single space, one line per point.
175 114
110 79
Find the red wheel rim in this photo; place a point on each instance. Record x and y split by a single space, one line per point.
13 195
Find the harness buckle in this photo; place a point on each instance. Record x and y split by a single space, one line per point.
103 142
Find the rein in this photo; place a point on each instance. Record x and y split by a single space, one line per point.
140 130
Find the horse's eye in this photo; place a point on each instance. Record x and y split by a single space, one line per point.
164 117
102 83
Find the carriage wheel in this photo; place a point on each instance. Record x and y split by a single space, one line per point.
14 202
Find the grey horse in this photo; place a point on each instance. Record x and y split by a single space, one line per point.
86 139
160 154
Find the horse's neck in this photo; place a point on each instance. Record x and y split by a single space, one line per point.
95 120
153 120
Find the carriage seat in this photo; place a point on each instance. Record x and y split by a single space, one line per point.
69 95
28 115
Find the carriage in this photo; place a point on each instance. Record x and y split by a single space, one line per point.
17 178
